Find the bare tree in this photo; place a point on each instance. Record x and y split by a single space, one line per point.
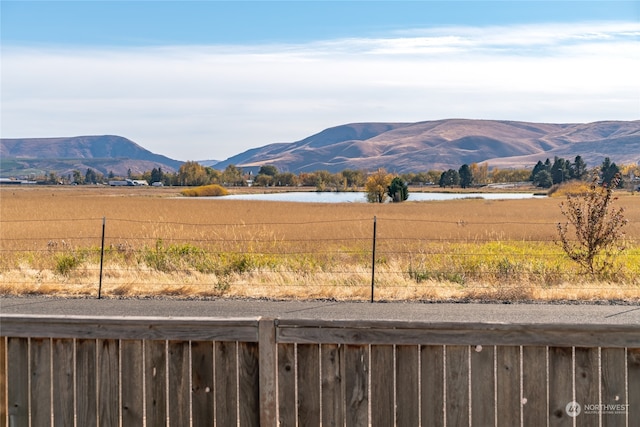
596 227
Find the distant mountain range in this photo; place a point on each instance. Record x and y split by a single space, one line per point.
397 147
104 154
444 144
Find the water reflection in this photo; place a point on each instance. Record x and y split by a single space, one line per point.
360 197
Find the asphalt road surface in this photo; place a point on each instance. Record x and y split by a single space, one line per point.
577 314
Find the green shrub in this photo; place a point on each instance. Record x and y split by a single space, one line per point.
66 263
177 257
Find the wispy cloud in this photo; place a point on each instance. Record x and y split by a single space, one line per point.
196 102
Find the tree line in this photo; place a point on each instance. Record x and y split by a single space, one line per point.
561 170
544 175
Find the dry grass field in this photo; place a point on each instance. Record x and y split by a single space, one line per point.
158 243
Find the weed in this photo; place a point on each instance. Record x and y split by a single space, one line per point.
597 229
67 262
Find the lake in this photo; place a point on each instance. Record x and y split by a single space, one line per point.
359 197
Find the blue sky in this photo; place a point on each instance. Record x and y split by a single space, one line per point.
209 79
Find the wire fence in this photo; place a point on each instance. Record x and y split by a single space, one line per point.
360 258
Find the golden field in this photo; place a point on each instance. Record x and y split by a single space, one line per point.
158 243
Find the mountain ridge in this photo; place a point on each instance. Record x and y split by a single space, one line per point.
103 153
396 146
447 143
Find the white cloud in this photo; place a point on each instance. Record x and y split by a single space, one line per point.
197 102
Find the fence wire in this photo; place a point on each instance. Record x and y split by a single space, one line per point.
413 259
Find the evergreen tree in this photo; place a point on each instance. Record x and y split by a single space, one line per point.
608 171
543 179
449 178
398 190
466 176
156 175
90 177
539 167
269 170
560 170
579 168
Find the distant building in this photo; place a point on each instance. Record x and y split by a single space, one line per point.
11 181
128 183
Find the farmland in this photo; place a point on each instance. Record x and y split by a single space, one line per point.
158 244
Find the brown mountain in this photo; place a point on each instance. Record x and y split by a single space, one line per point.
104 154
444 144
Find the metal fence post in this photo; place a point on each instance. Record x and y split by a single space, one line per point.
373 260
104 220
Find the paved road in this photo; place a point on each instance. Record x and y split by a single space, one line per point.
423 312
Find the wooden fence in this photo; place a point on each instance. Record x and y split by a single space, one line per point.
137 371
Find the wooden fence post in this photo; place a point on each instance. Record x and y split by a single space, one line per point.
268 372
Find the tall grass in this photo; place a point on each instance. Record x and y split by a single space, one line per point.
463 249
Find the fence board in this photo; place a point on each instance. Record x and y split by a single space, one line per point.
586 371
268 367
534 386
18 381
483 381
131 327
3 382
613 385
287 405
457 377
179 375
357 384
86 383
62 378
308 384
432 385
132 382
382 390
108 382
155 386
407 392
41 381
452 333
633 382
560 385
332 358
202 383
226 380
248 382
508 381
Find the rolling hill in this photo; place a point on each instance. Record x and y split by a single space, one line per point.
397 147
105 154
444 144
